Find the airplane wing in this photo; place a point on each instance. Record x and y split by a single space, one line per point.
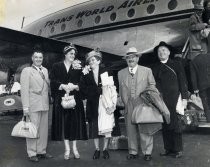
16 49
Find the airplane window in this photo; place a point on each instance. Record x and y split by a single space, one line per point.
131 13
97 19
151 9
40 32
113 16
172 4
79 24
52 30
63 27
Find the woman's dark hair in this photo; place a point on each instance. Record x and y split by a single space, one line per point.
68 48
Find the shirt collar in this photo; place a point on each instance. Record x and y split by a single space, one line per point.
164 61
38 68
134 69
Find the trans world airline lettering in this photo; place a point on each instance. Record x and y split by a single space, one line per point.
86 13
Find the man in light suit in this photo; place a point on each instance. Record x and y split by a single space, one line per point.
34 82
133 80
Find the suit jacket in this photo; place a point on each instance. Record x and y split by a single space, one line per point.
34 89
144 79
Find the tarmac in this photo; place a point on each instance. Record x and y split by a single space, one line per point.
13 151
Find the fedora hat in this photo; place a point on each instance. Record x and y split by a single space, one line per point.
131 51
94 53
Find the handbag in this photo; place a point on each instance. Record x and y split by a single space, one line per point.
144 113
25 129
180 106
68 102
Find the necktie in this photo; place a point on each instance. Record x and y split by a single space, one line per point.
41 73
131 71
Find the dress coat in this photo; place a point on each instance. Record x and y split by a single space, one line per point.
170 85
91 91
68 123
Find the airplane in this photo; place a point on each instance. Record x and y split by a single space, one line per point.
111 25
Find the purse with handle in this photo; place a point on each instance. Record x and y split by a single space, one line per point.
25 129
68 102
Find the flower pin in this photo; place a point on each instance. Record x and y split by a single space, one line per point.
76 65
86 69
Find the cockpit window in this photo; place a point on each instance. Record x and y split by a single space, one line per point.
151 9
131 13
172 4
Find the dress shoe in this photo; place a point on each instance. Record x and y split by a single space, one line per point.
44 156
34 159
105 154
131 156
166 153
67 155
147 157
178 154
76 154
96 154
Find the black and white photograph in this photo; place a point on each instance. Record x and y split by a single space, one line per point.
105 83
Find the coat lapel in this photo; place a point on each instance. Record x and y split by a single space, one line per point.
126 77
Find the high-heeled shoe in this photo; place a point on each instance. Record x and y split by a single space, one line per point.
67 155
76 154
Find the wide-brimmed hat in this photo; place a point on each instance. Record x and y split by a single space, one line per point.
132 51
162 43
94 53
68 48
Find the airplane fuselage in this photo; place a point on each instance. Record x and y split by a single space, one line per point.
115 25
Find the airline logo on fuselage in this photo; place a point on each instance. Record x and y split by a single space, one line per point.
86 13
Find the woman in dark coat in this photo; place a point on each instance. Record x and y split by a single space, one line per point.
67 124
170 81
91 89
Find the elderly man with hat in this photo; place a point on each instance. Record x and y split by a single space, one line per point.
133 80
68 124
170 79
91 89
198 44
